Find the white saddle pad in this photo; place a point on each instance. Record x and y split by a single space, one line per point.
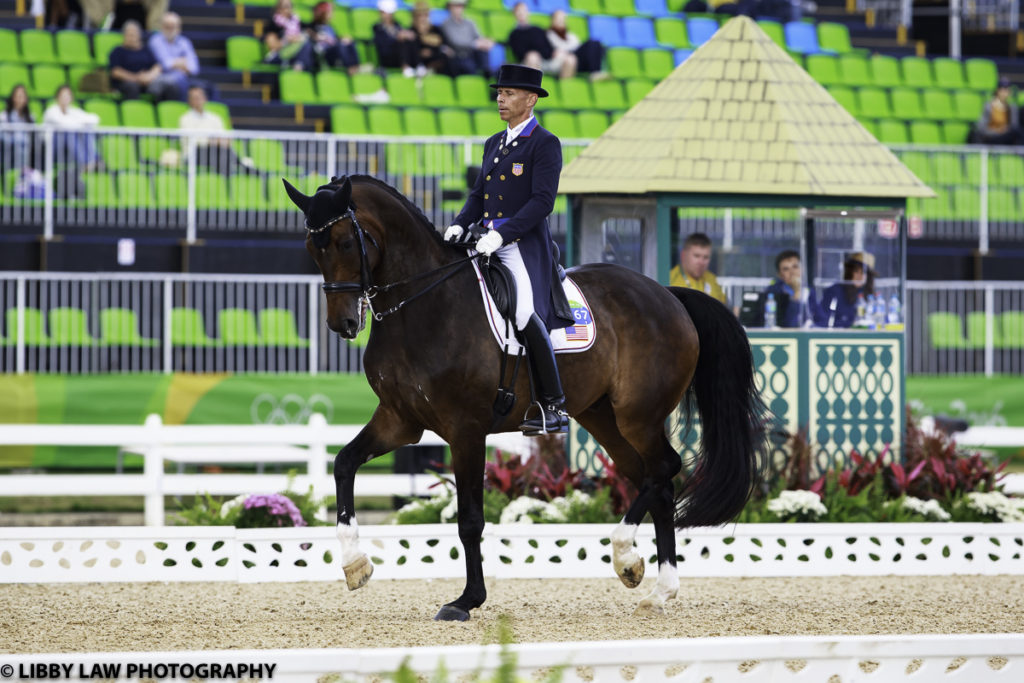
574 339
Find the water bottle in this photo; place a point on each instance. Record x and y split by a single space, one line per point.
894 315
862 311
770 312
869 312
879 313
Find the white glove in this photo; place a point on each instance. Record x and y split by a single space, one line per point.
489 243
453 233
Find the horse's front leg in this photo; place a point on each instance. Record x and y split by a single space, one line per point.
383 433
468 465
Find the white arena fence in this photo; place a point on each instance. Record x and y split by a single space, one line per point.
212 444
535 551
185 185
119 322
993 658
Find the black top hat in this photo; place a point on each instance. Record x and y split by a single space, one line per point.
522 77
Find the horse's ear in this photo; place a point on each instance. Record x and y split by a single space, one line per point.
343 195
300 200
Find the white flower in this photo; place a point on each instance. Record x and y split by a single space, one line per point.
926 508
235 502
448 511
998 505
797 503
518 511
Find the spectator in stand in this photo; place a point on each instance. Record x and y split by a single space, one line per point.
1000 119
114 14
463 36
72 143
296 50
134 69
174 53
692 270
570 54
432 54
337 52
796 305
216 153
529 43
16 151
396 46
284 55
838 306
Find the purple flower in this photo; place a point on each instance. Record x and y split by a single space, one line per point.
277 506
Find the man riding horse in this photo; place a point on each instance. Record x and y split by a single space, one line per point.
513 196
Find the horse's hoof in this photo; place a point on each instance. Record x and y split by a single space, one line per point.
631 570
451 613
649 607
357 573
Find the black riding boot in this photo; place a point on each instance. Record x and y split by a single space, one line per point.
552 418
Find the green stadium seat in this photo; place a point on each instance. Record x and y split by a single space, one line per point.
120 327
619 8
575 94
966 206
917 72
925 133
75 74
967 105
248 191
671 31
187 328
348 118
12 75
168 113
937 208
846 97
562 123
102 43
609 95
1002 204
955 132
119 152
486 122
46 78
972 169
171 190
892 132
35 326
920 163
69 327
592 123
946 331
278 328
938 105
211 191
107 110
403 159
1012 327
587 6
775 32
906 104
1008 170
657 63
454 122
134 190
138 114
99 190
385 120
402 91
37 46
499 25
870 125
873 103
623 62
637 89
471 91
982 74
824 69
297 86
949 168
73 48
856 70
9 45
834 36
366 84
577 24
267 155
362 20
420 121
245 53
885 72
949 73
439 91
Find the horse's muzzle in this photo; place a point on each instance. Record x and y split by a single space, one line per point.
348 328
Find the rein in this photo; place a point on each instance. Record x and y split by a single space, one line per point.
365 284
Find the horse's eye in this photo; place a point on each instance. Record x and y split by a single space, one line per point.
346 245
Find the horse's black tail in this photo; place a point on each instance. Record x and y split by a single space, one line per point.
733 443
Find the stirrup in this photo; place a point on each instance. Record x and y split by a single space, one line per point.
551 420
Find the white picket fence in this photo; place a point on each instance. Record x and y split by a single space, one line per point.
159 443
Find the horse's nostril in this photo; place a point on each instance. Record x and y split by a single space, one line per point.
350 327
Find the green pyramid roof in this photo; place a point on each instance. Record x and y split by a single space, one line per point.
740 117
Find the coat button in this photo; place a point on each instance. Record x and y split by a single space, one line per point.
486 214
501 177
487 196
487 178
500 198
499 214
495 159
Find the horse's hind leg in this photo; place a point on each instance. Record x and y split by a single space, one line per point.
661 507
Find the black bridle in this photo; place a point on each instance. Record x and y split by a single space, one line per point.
365 285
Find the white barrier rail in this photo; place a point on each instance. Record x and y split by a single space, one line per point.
878 659
115 554
194 443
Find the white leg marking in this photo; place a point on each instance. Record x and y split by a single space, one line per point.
668 583
628 564
622 539
348 534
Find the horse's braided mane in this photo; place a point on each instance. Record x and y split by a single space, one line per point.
416 212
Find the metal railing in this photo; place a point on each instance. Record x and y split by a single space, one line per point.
91 323
187 185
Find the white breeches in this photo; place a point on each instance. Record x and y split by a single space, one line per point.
513 260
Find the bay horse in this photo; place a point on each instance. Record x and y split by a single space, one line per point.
434 364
